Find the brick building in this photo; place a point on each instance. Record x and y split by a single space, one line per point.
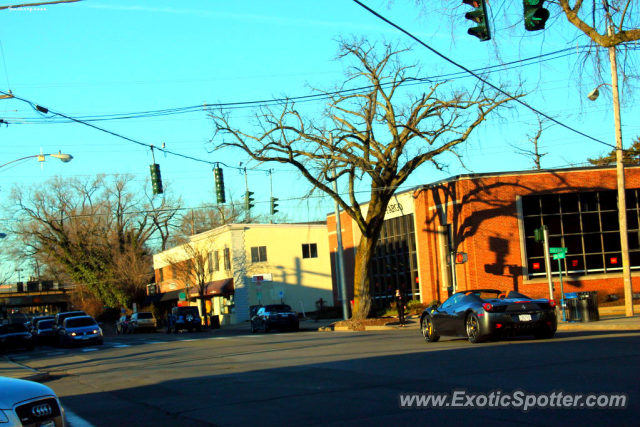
492 217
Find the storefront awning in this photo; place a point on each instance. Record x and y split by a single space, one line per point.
171 295
217 287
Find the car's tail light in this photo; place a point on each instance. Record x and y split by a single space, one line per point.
552 303
487 306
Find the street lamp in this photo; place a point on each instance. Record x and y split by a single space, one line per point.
41 157
622 198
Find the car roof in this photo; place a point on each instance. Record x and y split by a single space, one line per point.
78 317
497 291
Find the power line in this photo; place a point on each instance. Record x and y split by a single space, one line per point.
451 61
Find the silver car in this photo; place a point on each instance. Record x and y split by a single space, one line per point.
143 320
27 404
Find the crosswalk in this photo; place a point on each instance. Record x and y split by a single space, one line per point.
119 344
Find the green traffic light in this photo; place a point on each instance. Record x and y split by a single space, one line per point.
535 16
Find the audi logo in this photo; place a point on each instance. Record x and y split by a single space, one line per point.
43 410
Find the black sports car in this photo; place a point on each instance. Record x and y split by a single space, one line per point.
483 314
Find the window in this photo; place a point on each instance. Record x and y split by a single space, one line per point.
227 259
210 262
160 275
258 254
310 250
584 223
216 261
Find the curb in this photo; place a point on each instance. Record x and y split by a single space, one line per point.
587 327
36 376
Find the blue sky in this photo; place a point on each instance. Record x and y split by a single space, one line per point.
106 57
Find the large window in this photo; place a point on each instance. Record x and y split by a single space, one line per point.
227 259
584 223
395 263
258 254
216 261
309 250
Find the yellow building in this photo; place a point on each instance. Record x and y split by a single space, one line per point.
239 266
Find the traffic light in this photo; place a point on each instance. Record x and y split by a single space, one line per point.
273 206
247 200
156 179
461 257
479 16
538 234
219 179
535 15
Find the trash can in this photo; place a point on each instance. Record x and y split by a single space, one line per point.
214 321
588 306
570 305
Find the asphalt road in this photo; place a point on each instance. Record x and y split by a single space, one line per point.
334 379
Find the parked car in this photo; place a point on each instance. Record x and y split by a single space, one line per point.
483 314
58 321
186 318
42 332
143 320
80 330
123 325
278 316
29 404
14 336
32 322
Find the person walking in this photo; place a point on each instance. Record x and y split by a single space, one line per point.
400 306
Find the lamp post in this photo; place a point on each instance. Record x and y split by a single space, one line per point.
19 270
41 157
622 199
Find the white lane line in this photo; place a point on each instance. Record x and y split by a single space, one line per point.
75 421
192 339
218 338
121 346
155 342
89 349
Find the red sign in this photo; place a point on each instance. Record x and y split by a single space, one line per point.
183 303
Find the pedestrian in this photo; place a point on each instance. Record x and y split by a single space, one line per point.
400 306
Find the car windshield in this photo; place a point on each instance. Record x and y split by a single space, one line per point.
80 322
12 328
281 308
45 324
145 316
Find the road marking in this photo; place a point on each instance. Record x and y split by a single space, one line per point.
218 338
75 421
121 346
155 342
55 353
89 349
192 339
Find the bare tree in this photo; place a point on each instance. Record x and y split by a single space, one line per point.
94 231
192 263
534 154
373 127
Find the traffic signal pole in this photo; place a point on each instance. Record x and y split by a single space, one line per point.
547 264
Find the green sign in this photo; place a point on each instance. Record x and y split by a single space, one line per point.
559 256
182 296
558 251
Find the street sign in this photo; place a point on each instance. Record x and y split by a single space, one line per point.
558 251
182 296
559 256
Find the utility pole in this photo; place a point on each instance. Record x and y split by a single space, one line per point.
622 200
340 252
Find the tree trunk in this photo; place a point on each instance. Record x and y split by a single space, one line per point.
202 307
362 288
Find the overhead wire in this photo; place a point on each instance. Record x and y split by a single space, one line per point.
483 80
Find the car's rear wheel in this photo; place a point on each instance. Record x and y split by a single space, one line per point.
428 330
473 329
